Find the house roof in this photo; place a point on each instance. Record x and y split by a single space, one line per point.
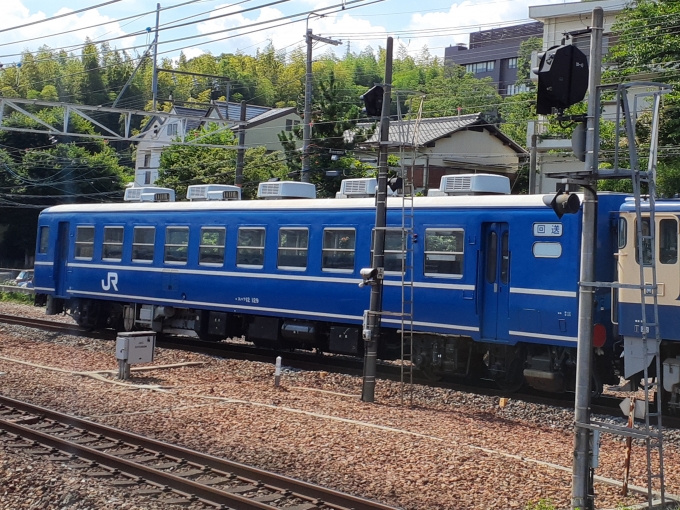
272 114
232 111
191 112
432 129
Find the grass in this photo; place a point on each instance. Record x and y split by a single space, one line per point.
16 297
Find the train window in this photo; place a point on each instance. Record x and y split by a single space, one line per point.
444 252
491 256
293 244
113 243
84 242
394 251
176 245
547 250
646 244
338 249
505 260
668 241
43 244
250 247
211 249
143 241
623 233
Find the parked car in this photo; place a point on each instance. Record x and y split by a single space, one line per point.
24 277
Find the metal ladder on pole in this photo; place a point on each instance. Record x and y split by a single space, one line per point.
651 346
406 256
651 433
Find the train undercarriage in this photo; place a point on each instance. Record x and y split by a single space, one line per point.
544 367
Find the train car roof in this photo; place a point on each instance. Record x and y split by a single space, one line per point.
660 205
479 201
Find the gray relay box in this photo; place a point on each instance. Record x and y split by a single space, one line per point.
136 347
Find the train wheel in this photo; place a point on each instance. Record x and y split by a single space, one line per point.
513 379
429 373
128 317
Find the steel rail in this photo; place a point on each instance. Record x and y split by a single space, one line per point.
275 482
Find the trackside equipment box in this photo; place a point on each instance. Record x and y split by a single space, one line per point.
136 347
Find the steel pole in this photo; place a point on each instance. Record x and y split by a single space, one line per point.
533 156
307 127
154 85
373 320
582 497
240 154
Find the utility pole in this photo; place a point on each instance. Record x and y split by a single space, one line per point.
533 163
240 155
372 326
307 127
154 84
582 494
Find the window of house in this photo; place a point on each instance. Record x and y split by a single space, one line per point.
176 245
43 243
211 248
143 240
172 129
293 244
147 177
444 252
147 160
512 63
289 124
338 249
113 243
668 241
84 243
250 247
394 251
513 89
480 67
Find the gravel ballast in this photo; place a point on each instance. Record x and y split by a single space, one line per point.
451 450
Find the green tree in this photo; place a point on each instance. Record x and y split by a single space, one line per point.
335 112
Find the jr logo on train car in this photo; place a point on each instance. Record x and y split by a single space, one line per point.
111 281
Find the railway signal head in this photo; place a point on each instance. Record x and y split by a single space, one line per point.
564 203
373 100
562 78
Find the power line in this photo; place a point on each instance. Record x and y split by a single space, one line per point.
59 16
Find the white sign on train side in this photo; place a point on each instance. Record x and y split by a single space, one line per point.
547 229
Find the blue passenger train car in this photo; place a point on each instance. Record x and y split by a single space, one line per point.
495 277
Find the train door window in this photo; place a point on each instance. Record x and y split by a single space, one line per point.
293 245
84 243
211 249
176 245
668 241
444 252
394 252
492 256
112 248
250 247
646 244
338 249
43 243
505 258
623 233
143 241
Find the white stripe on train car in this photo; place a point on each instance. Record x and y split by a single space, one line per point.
294 277
544 336
435 325
543 292
48 289
39 263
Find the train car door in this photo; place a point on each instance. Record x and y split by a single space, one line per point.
61 258
495 281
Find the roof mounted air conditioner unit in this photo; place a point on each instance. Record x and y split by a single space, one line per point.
198 192
286 189
475 184
149 194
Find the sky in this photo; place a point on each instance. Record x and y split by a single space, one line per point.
216 26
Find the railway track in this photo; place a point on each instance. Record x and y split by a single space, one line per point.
150 468
605 405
